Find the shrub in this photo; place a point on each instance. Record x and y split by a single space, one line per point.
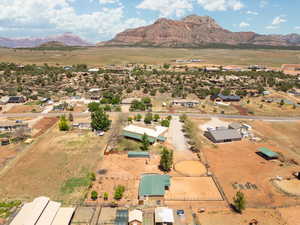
119 192
105 196
63 124
94 195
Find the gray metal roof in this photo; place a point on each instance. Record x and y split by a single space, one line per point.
225 134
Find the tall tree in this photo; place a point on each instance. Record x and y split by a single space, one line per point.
239 201
145 143
63 124
100 120
166 159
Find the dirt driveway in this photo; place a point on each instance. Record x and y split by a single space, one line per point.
178 141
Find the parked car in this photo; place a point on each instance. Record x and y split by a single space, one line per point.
180 212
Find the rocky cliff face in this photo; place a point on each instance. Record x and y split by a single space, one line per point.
67 39
194 31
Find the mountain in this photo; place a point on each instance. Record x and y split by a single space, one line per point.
193 31
67 39
52 44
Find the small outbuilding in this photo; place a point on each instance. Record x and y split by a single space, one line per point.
133 154
164 216
225 98
135 217
267 153
121 217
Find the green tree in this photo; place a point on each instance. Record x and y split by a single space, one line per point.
165 123
148 118
183 118
239 202
105 196
145 143
119 192
100 120
94 195
93 106
63 124
129 119
138 117
156 117
166 159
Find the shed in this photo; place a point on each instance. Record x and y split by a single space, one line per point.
164 215
223 135
268 153
133 154
154 185
121 217
135 217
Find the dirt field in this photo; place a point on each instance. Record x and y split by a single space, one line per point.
118 169
54 159
290 215
193 189
8 153
101 56
226 217
24 109
289 186
190 168
43 125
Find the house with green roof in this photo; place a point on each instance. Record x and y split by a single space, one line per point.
153 185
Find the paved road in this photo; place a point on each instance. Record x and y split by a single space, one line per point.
176 136
196 115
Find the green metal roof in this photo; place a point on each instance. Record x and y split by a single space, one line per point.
132 154
137 136
268 152
161 138
153 184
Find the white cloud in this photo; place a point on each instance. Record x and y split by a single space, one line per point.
252 13
244 24
167 7
278 20
108 1
270 27
60 16
221 5
297 28
263 3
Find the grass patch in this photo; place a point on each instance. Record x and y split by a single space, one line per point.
126 144
38 102
7 208
76 182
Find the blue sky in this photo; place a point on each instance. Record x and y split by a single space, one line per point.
98 20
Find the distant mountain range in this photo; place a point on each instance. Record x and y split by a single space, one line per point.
195 31
67 39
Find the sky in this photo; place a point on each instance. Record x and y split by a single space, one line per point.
100 20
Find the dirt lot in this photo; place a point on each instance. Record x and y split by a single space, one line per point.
8 153
54 161
226 217
118 169
190 168
193 189
290 215
43 125
24 109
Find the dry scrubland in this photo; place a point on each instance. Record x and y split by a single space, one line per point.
105 55
56 165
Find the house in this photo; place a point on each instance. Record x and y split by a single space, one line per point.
16 99
223 135
164 216
43 211
137 133
4 141
225 98
135 217
93 70
185 103
152 187
11 126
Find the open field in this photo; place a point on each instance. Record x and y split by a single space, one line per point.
226 217
101 56
237 166
56 165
